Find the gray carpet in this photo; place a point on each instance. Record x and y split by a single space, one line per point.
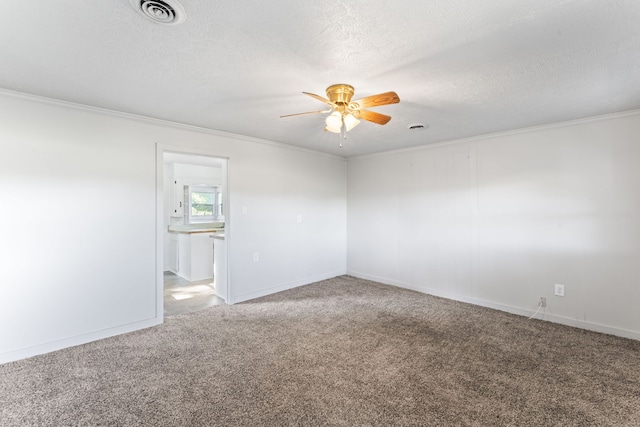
345 352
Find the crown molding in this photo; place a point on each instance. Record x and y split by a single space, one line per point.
6 93
520 131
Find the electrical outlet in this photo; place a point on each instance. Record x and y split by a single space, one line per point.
299 219
256 257
543 302
244 210
559 290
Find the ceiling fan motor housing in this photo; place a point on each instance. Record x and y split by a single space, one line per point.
340 93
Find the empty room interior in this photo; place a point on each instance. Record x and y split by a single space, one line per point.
335 213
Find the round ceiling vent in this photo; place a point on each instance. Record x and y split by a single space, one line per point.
168 12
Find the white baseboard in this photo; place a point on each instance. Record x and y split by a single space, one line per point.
24 353
590 326
283 287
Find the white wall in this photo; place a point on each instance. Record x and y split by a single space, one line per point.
78 220
497 221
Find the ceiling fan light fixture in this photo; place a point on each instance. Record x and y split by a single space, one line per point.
334 122
350 121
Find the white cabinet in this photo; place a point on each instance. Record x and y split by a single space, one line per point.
172 259
195 256
201 256
175 192
177 198
184 256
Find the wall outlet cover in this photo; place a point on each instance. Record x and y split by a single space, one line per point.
559 290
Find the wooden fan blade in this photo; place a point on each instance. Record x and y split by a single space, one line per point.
319 98
377 100
372 116
309 112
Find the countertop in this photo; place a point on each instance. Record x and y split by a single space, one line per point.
194 228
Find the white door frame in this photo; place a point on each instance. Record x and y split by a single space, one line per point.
162 148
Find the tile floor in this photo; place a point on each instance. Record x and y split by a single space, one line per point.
182 296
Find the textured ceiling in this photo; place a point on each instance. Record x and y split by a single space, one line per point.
462 67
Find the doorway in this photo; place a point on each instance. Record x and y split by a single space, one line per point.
193 230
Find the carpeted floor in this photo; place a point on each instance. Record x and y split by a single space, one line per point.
345 352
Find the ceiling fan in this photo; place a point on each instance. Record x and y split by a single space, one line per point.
345 113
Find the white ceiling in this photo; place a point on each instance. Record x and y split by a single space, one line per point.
462 67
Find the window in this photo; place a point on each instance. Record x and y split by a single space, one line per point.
203 204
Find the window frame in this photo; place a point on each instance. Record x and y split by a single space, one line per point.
195 219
